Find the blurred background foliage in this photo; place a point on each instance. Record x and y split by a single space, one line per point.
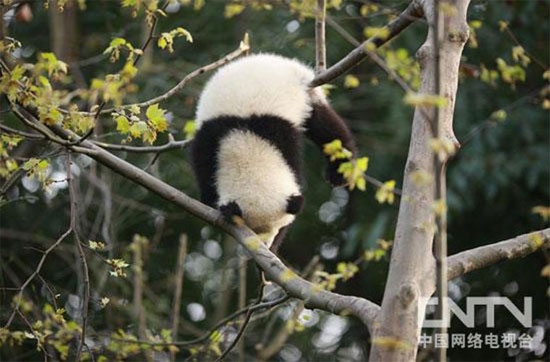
498 176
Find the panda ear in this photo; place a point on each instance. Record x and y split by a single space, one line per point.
294 204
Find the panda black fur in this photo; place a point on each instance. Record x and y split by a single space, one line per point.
247 152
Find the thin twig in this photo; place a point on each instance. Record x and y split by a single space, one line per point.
27 135
34 274
176 304
489 121
33 332
214 65
243 326
254 307
83 261
39 127
407 17
515 40
265 352
50 291
320 43
170 145
139 313
242 296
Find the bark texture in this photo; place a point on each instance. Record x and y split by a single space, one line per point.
64 32
396 330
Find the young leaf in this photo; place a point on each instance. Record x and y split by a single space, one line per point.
157 118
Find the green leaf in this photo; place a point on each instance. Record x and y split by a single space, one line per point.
116 42
181 32
122 124
156 116
190 129
232 10
499 116
17 72
361 183
138 128
351 81
162 42
363 164
30 164
43 164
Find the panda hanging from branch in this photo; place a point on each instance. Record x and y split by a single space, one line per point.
247 153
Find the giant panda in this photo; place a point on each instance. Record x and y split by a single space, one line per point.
251 119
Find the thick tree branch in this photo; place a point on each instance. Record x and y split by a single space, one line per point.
294 285
483 256
406 18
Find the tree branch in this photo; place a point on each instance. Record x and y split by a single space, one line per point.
252 307
16 132
170 145
182 252
440 239
407 286
243 48
406 18
320 46
271 264
244 324
83 261
483 256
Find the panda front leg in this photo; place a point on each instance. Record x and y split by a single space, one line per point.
323 126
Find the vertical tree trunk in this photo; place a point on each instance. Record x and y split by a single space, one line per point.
63 31
396 331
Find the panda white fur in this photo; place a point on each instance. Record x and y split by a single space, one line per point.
247 152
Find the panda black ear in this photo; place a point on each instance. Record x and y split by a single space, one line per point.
294 204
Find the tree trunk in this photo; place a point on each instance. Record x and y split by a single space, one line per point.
63 31
411 277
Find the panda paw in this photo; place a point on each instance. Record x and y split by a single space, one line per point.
294 204
230 210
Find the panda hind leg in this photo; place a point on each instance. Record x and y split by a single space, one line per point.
231 212
279 238
294 204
